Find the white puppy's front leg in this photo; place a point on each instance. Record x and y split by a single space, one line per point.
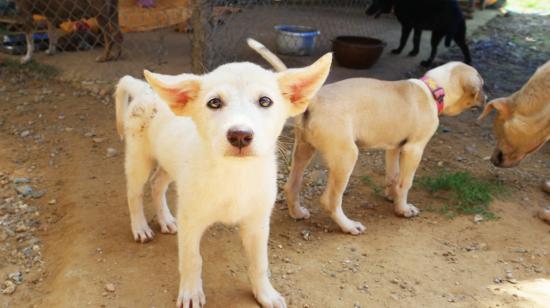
408 162
191 294
255 234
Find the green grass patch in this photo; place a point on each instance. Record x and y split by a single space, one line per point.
38 70
462 193
376 189
528 5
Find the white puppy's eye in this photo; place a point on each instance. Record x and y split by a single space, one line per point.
265 101
214 103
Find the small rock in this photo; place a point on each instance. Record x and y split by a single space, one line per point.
478 218
16 277
306 235
37 194
112 152
8 287
89 134
52 202
445 129
497 279
460 158
520 250
471 149
110 287
544 214
25 133
98 139
21 227
24 190
21 180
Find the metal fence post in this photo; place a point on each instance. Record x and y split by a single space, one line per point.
202 9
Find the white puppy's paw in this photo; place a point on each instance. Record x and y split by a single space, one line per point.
407 211
268 297
299 212
191 298
167 224
142 233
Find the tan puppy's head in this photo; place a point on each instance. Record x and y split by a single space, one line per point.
517 134
239 109
463 87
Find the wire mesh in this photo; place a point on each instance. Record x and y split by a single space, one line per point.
168 35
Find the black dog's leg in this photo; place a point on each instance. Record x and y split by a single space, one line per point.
416 42
405 31
436 39
460 39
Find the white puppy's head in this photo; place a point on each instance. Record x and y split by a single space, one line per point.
240 108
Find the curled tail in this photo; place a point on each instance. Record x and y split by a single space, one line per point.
127 87
269 56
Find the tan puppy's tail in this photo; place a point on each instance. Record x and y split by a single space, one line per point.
270 57
127 87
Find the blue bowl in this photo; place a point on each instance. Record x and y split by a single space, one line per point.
296 40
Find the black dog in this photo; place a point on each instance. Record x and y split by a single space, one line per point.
443 17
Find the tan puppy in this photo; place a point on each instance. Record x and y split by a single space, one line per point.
522 124
397 116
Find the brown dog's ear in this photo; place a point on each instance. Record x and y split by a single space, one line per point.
300 85
176 94
500 105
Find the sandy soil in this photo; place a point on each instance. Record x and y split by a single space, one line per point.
429 261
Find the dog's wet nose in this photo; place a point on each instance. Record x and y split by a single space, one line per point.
239 137
497 159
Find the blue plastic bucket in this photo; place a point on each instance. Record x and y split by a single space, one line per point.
296 40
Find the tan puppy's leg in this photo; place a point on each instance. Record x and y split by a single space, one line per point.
138 167
301 156
340 163
52 38
392 172
409 159
159 185
254 235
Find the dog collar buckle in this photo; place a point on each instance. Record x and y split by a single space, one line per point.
438 92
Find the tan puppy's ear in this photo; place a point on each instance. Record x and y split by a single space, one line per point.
177 94
500 105
300 85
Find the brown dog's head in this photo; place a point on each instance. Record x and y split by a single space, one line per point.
463 87
517 134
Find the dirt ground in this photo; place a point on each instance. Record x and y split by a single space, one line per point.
71 243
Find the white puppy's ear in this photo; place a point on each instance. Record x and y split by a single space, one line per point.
177 93
500 105
300 85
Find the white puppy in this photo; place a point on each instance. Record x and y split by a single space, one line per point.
397 116
221 155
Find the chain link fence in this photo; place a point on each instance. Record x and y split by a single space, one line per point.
169 35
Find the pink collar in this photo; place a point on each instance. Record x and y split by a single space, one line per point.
437 92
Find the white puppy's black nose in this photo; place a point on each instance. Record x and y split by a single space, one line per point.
239 137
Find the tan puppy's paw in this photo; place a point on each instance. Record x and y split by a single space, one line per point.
167 224
143 233
299 212
268 297
407 211
350 226
192 298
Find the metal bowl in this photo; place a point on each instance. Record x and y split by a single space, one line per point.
296 40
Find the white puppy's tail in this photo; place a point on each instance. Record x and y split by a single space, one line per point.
127 87
270 57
